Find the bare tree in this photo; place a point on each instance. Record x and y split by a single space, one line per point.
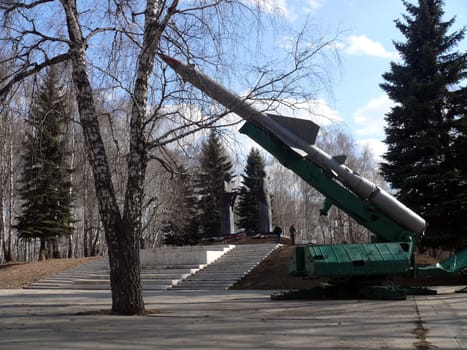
11 134
4 181
112 48
337 225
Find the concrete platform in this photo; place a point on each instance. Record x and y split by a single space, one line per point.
51 319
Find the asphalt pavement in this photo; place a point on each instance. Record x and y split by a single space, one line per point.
74 319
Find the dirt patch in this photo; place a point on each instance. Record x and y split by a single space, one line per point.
18 275
421 333
273 273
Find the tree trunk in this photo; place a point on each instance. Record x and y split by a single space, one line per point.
125 272
69 253
85 235
9 256
125 279
93 243
52 248
49 247
70 247
2 226
55 249
42 250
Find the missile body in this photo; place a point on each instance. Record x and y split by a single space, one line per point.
303 145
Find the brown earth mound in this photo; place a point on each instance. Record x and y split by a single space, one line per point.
18 275
272 273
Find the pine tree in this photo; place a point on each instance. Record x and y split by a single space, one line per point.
424 130
252 184
45 181
181 225
215 169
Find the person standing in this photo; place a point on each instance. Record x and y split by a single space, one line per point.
277 232
292 232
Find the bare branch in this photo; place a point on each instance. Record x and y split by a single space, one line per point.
35 69
9 6
111 29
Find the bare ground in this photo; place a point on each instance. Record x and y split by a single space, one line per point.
18 275
272 273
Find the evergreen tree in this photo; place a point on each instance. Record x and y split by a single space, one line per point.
252 185
181 226
215 169
425 131
45 181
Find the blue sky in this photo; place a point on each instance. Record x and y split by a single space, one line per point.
366 31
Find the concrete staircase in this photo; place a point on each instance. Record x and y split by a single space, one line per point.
228 269
70 279
95 276
169 268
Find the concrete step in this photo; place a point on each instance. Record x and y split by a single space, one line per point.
222 273
166 272
228 269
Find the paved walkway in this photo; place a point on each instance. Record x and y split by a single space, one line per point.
51 319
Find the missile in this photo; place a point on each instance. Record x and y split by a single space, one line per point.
300 136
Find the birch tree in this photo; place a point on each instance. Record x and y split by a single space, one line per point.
111 47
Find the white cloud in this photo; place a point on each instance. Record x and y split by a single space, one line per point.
377 147
370 118
278 7
361 45
370 124
286 42
312 6
317 111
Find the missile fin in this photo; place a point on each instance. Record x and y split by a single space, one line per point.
305 129
294 148
287 142
340 159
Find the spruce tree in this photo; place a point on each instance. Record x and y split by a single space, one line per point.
215 169
181 226
248 204
425 130
45 181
